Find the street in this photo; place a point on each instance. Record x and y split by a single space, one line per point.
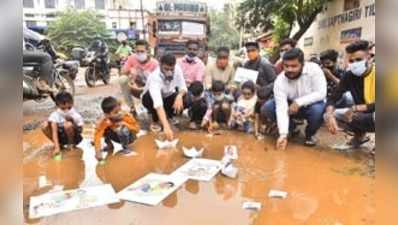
324 186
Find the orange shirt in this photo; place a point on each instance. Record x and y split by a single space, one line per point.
103 124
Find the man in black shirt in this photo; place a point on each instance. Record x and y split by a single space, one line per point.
333 75
266 72
359 80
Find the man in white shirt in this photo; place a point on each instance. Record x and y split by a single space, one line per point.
299 92
164 92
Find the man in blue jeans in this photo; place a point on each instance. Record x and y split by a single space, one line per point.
299 92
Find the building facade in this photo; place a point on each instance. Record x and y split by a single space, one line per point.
342 22
118 15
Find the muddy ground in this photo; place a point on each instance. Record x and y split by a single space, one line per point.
325 186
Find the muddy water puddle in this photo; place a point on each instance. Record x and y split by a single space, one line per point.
324 187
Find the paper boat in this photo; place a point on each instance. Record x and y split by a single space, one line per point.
252 205
193 152
166 144
231 151
230 171
277 194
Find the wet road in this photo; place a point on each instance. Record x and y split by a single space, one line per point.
325 187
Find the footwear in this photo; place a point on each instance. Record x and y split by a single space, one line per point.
311 141
44 87
356 142
127 152
155 127
193 126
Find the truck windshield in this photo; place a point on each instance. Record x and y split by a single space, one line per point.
183 27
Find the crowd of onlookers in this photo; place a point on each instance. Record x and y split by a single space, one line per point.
286 94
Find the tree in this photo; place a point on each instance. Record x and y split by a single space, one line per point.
74 28
281 16
223 32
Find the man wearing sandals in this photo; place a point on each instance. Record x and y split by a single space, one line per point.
360 81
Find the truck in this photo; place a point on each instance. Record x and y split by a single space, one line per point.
178 21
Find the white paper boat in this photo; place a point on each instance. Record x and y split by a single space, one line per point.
231 151
230 171
277 194
141 133
166 144
193 152
252 205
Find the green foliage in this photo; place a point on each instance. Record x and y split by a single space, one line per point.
269 14
223 32
74 28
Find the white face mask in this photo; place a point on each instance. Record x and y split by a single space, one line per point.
219 97
63 113
141 57
358 68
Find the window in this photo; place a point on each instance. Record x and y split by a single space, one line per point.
100 4
29 15
114 25
79 4
351 4
308 41
50 15
28 4
49 4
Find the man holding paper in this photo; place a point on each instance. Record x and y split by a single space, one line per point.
266 73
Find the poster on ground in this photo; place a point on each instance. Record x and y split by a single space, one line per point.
199 169
151 189
64 201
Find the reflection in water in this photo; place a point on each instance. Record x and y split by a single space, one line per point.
317 194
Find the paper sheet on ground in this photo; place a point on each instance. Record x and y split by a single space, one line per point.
64 201
243 74
199 169
192 152
277 194
166 144
152 189
252 205
231 151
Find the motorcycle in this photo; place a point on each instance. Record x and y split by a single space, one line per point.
94 70
62 82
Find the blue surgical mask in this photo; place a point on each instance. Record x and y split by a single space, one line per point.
358 68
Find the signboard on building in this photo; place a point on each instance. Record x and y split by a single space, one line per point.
348 36
308 41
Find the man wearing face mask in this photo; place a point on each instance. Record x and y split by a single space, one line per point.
192 67
299 93
163 94
136 70
360 81
266 72
222 69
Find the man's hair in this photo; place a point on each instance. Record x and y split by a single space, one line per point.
329 54
196 88
190 42
108 104
360 45
63 97
294 53
249 85
222 49
168 59
262 93
217 86
252 44
288 41
142 42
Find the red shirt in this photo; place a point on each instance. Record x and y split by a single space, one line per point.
133 63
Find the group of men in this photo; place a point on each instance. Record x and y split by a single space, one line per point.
292 90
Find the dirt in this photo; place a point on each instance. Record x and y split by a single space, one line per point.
325 187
